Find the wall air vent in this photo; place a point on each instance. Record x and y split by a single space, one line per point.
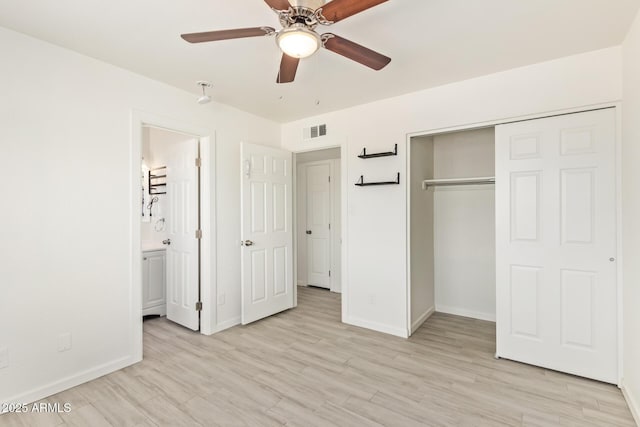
314 131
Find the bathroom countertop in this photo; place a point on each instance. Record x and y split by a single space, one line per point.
153 246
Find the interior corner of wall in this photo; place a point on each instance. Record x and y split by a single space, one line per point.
633 401
421 319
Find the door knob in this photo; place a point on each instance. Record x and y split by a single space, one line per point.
166 242
247 243
309 231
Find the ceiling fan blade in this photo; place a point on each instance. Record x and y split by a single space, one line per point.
337 10
288 68
278 4
354 51
210 36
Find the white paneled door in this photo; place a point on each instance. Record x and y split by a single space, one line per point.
182 223
319 224
267 232
556 243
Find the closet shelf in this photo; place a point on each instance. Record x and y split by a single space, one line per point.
364 154
458 181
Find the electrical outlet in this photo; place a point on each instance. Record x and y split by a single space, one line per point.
64 342
4 357
372 299
221 299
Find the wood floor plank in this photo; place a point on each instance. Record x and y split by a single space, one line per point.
303 367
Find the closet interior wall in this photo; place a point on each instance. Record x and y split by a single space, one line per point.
421 222
453 227
464 225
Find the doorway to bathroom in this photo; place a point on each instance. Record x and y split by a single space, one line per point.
171 229
172 255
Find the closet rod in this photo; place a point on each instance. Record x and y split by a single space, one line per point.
458 181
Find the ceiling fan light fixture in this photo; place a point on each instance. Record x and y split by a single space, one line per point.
297 41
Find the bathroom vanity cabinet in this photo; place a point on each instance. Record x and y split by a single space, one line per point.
154 283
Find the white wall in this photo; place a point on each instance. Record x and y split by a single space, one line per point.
421 241
375 294
464 225
66 180
631 217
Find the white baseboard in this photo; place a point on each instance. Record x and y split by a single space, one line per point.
379 327
491 317
423 318
70 381
302 283
632 401
227 324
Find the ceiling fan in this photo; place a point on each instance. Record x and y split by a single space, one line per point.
298 39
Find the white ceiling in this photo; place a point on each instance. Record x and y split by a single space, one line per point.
431 42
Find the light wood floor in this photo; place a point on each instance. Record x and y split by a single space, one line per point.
304 368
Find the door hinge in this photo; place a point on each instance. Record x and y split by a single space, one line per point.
329 179
198 162
198 234
329 273
329 226
199 306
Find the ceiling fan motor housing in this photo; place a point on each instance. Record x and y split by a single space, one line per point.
299 15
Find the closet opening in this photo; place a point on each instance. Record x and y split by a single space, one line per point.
452 257
534 252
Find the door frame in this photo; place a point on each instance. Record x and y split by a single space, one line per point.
332 202
618 194
344 282
140 120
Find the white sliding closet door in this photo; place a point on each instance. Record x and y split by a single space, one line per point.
556 243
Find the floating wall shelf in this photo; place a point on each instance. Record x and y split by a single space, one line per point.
361 183
364 154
